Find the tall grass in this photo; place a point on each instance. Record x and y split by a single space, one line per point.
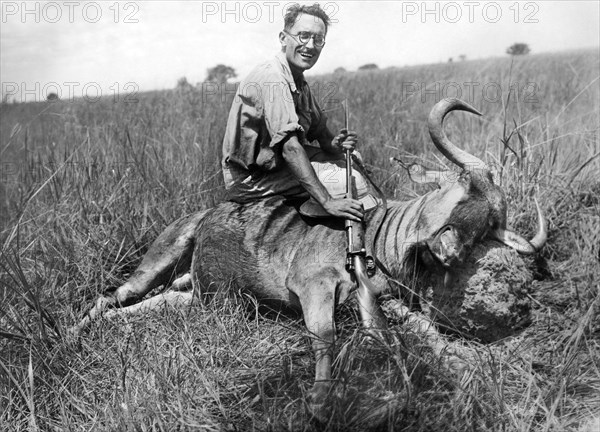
87 186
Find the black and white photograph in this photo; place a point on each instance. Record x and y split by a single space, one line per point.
354 216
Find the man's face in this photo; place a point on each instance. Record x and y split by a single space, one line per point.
302 57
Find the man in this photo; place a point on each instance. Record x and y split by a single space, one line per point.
274 119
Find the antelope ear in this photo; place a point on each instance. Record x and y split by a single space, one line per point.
446 247
418 174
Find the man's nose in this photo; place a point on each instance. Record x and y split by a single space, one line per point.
310 43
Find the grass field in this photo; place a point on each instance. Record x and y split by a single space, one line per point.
86 187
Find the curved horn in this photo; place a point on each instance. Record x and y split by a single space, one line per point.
441 141
520 244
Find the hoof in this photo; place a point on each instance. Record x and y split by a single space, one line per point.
320 412
456 366
103 303
318 407
457 361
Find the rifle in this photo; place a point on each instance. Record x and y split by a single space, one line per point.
356 254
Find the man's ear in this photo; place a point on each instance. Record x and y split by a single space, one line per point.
282 40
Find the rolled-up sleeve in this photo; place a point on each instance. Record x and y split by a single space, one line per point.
279 112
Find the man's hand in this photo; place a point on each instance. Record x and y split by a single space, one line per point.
295 156
345 140
345 208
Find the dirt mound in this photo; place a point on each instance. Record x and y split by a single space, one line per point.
486 297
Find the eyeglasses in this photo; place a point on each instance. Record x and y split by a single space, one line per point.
304 37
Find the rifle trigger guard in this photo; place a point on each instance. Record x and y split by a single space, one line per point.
370 266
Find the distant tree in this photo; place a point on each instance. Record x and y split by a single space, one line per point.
462 57
518 49
369 66
339 70
450 59
220 73
52 97
183 84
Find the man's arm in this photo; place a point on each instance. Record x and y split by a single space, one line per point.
295 156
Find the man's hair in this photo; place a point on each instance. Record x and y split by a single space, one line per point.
293 11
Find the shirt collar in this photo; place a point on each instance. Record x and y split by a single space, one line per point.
287 73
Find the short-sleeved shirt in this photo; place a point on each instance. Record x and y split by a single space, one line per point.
268 108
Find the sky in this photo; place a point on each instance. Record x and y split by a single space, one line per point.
97 48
